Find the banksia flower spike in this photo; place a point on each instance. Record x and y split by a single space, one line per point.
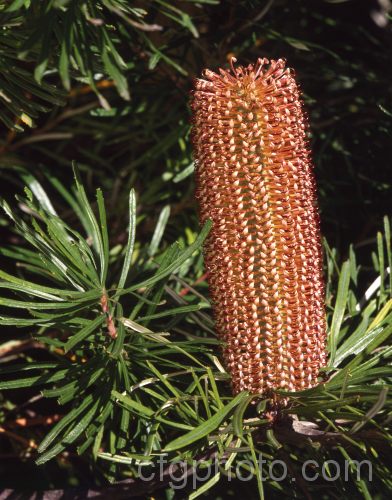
254 181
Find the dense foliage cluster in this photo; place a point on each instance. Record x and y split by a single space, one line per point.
108 353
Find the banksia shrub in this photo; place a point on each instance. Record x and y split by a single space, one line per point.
263 255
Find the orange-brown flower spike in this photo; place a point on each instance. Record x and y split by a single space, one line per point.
263 254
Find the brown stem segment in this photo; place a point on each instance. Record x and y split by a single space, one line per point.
263 255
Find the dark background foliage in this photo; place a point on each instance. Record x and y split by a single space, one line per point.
121 110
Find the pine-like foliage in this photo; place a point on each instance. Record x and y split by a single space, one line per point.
110 362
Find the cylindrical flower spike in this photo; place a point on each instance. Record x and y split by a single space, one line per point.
254 180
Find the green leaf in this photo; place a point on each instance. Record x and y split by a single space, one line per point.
105 235
16 5
381 264
387 231
206 427
64 422
381 315
85 378
96 233
357 344
374 410
71 436
184 173
238 417
350 345
32 381
84 333
131 241
21 304
129 459
27 367
257 468
340 306
144 411
159 230
14 283
132 404
174 312
217 398
176 264
39 192
44 91
118 344
206 486
165 259
114 71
